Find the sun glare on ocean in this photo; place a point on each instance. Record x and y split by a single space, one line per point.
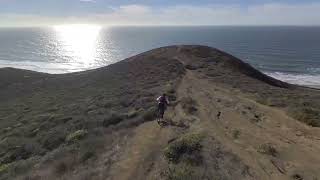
79 41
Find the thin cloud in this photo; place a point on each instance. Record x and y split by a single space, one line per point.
266 14
90 1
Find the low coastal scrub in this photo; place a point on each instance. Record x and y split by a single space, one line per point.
187 148
302 107
310 116
3 168
180 172
76 136
184 157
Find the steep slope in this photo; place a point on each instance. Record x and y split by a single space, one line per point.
226 121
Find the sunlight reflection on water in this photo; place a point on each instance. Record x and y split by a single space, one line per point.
79 42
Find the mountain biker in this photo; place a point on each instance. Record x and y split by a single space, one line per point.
163 102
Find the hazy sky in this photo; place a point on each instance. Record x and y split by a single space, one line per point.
160 12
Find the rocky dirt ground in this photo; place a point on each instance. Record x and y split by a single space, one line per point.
226 121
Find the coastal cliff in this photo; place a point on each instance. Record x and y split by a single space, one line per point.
226 120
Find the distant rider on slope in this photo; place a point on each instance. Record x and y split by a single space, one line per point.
163 102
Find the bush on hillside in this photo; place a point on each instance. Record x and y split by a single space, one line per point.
182 172
188 145
76 136
3 168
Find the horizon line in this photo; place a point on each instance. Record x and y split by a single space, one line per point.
162 25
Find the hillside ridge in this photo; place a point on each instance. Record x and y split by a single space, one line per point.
226 120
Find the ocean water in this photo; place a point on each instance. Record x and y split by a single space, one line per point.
290 54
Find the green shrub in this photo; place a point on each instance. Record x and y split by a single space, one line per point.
3 168
76 136
186 145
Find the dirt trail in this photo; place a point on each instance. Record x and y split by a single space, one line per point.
146 137
145 151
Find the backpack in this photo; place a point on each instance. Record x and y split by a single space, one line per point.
162 100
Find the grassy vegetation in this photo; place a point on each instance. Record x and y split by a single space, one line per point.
308 115
303 106
184 157
180 172
3 168
76 136
187 148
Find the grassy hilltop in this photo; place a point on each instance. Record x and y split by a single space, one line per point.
100 124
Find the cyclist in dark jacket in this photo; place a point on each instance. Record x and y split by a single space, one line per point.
163 102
